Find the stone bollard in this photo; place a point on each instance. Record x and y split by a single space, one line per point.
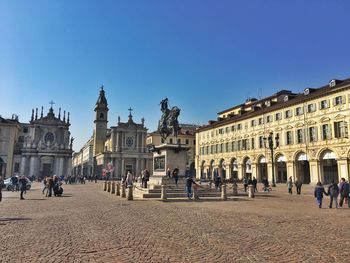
234 190
130 194
117 188
108 187
163 192
251 191
210 184
105 186
122 193
113 188
223 192
195 192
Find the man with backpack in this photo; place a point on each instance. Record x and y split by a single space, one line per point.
344 192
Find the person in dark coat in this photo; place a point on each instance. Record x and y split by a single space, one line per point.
333 192
319 191
176 175
298 185
245 183
344 192
23 186
1 186
189 183
255 182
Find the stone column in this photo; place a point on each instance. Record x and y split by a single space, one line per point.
32 166
122 172
113 140
223 192
240 172
137 142
118 142
251 191
122 193
234 190
23 165
228 171
113 188
117 188
138 171
343 169
130 193
163 192
315 171
291 170
69 167
254 170
269 172
61 169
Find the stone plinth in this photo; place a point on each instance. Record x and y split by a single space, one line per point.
169 156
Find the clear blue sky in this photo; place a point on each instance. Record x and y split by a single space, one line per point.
205 56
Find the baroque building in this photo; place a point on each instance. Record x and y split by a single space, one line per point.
302 135
39 148
122 147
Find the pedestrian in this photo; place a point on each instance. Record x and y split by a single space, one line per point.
44 185
23 186
245 183
175 175
168 173
255 182
129 179
333 192
290 185
298 185
14 182
1 186
145 178
189 183
318 193
49 186
344 192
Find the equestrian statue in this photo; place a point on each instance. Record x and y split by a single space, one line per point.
168 124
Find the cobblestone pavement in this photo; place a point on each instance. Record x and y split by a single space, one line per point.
89 225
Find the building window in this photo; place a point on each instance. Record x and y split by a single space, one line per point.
261 120
233 128
21 139
311 107
269 119
101 115
312 134
187 141
194 142
253 123
253 143
208 150
171 140
25 129
326 132
239 145
244 144
338 100
261 142
299 111
239 127
287 114
278 116
289 137
221 131
300 137
178 141
324 104
227 130
341 129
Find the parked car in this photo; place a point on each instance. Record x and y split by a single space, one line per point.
8 184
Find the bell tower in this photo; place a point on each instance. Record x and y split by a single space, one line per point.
101 120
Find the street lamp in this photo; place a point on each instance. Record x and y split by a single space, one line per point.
272 147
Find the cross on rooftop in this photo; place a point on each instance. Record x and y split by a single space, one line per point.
130 109
51 103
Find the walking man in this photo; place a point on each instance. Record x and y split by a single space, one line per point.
333 192
176 175
23 184
189 183
344 192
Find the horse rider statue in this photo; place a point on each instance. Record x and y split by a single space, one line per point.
168 124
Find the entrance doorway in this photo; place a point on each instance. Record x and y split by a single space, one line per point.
329 166
262 169
281 169
47 169
303 169
234 169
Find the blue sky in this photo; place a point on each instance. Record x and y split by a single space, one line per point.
205 56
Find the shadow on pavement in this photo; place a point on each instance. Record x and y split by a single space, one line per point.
201 200
9 219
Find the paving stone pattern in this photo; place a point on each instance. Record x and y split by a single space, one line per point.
90 225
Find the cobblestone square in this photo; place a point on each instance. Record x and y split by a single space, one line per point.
90 225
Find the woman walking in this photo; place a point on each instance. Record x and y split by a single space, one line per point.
290 185
319 191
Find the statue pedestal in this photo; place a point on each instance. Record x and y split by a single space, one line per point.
168 156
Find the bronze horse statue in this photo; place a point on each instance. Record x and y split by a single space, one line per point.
168 124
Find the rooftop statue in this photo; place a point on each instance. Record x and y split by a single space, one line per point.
168 124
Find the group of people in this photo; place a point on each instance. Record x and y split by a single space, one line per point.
334 190
52 184
173 174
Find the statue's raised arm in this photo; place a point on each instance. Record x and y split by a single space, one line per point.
164 104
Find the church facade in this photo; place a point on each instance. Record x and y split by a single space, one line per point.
117 149
42 147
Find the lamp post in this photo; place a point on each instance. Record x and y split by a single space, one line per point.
272 146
